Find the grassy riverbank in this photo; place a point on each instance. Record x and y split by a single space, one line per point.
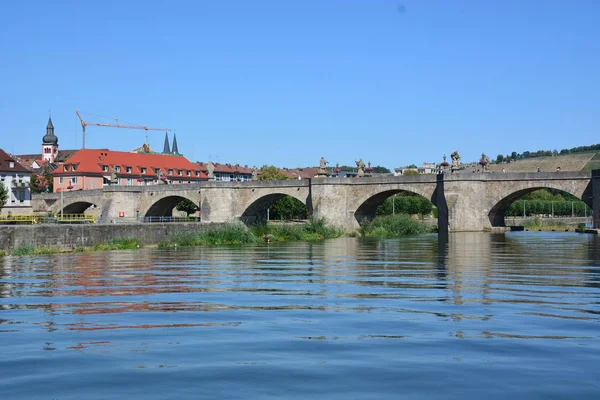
238 233
115 244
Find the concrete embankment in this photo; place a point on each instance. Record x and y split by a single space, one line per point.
69 237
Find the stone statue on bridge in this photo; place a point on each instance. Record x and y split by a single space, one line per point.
254 173
210 168
323 164
455 161
322 168
113 175
360 164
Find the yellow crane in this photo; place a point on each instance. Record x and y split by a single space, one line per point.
115 125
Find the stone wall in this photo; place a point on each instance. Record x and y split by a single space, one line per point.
69 237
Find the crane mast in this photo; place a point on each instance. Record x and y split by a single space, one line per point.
115 125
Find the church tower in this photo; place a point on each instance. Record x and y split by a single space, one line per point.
49 143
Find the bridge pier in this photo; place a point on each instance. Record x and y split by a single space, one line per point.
331 204
596 198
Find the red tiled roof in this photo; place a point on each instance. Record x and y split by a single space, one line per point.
304 173
225 168
6 158
92 161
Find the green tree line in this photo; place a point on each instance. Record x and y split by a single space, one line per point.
405 204
545 153
548 207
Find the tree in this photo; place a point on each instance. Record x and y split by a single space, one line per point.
3 195
499 158
412 166
187 206
381 170
43 182
271 173
288 207
410 172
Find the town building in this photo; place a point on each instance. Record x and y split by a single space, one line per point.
50 156
425 168
96 168
16 179
225 172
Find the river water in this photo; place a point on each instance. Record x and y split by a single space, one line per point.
513 315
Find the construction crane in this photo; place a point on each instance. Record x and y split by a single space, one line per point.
115 125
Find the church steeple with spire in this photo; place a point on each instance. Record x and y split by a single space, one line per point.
174 149
166 148
49 142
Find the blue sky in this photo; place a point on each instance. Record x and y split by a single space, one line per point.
286 82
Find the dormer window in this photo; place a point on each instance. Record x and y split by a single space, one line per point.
74 167
157 171
128 169
143 170
11 164
105 168
65 168
179 172
170 172
117 168
188 173
197 173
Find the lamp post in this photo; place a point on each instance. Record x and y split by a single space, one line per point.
62 198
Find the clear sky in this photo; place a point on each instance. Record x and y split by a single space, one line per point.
286 82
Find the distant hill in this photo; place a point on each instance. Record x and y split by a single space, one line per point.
569 162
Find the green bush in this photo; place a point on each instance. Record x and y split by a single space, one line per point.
24 251
119 244
212 235
314 229
394 225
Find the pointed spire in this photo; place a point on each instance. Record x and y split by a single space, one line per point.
50 137
166 149
50 127
174 148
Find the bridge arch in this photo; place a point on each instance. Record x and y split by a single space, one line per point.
255 210
367 209
78 207
498 207
164 206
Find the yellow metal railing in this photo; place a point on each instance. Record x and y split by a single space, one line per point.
43 219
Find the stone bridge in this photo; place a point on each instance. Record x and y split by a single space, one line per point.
465 201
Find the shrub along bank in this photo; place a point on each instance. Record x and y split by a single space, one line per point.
393 225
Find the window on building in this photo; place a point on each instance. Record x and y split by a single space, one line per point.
143 170
197 173
157 171
128 169
129 182
117 168
60 180
65 167
74 167
73 180
170 172
105 168
187 173
179 172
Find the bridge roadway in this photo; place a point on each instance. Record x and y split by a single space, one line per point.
465 201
